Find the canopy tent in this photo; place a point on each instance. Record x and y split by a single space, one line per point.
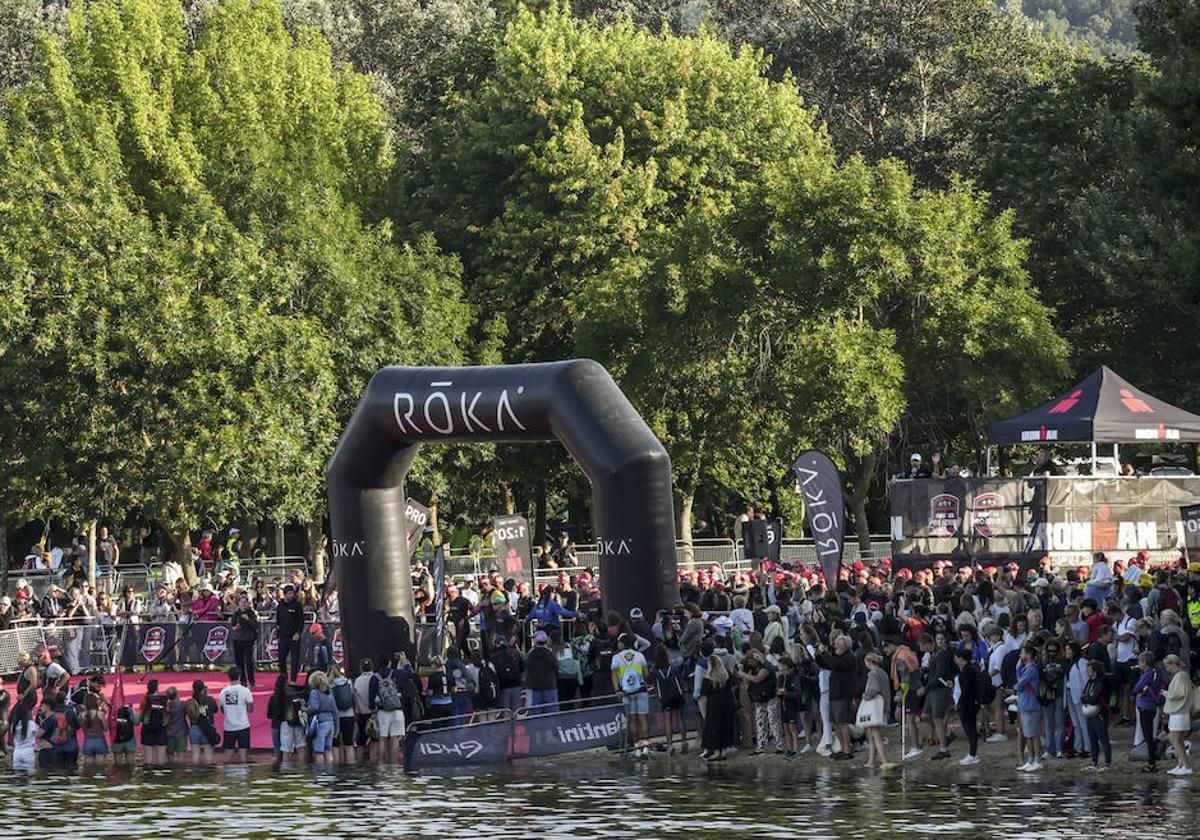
1103 408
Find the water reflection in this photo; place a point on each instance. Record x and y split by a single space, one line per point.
571 799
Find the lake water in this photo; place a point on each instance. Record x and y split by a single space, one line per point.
596 799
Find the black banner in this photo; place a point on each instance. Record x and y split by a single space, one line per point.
1189 517
1067 518
481 743
565 732
513 551
817 480
416 517
439 596
774 539
210 643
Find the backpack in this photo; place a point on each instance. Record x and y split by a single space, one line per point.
343 696
762 692
124 726
567 668
489 685
986 691
506 668
1049 677
1008 668
62 730
669 690
631 681
297 707
389 694
156 712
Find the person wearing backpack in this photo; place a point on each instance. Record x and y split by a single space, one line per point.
58 731
437 691
568 673
124 739
1147 696
487 689
343 698
154 725
541 669
668 684
388 704
629 682
1051 696
462 686
292 737
762 689
508 665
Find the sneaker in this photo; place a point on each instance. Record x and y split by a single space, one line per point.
1103 768
790 754
824 751
940 755
996 738
915 752
705 754
1024 767
1180 771
1090 768
756 751
807 749
1036 767
967 760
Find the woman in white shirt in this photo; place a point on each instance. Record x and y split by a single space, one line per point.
22 734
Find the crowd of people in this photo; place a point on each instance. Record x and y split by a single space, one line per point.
777 661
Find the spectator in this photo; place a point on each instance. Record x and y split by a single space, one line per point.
541 673
236 705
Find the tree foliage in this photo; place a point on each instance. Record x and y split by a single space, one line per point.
195 268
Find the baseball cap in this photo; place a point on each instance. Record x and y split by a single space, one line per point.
916 456
635 613
315 628
540 637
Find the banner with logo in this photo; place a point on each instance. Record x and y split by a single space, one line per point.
210 643
439 597
1069 519
1189 517
416 517
481 743
513 550
818 482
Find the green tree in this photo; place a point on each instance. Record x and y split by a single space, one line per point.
658 203
195 269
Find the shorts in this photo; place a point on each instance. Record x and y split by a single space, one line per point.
840 711
636 704
323 738
391 724
1123 671
177 743
120 747
291 738
345 732
239 739
1179 723
936 701
360 735
153 737
1031 724
196 737
791 710
95 745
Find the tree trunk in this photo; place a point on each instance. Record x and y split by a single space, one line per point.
91 548
3 554
510 502
316 556
433 521
181 546
539 519
860 487
686 504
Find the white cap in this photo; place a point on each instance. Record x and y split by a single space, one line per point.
916 456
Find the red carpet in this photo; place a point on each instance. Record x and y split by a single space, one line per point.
260 727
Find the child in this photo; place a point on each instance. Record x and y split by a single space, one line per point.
789 691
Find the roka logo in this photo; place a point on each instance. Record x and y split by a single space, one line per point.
154 642
462 749
214 645
339 653
273 644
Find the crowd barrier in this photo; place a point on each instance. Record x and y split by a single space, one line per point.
82 646
531 732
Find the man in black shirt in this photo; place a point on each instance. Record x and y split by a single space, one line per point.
289 617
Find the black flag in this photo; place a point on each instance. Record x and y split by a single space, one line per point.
439 597
817 480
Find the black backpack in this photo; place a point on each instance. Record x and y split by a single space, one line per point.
669 690
1008 668
762 692
156 712
124 726
489 685
506 667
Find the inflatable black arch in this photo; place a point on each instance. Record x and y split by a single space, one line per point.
575 401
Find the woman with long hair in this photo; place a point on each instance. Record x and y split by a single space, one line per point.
22 735
668 683
322 715
198 712
719 716
277 706
94 725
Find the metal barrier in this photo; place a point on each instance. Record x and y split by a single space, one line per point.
82 646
